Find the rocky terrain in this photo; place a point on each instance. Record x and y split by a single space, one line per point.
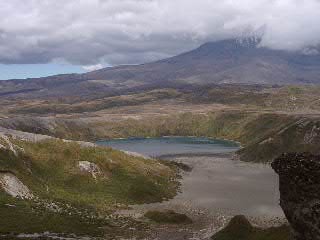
299 189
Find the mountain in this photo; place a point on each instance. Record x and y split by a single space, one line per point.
232 61
229 61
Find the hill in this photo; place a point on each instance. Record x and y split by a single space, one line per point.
61 188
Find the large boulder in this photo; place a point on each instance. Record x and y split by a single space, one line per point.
13 186
239 228
299 178
91 168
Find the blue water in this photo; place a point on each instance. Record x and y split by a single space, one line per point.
172 145
216 182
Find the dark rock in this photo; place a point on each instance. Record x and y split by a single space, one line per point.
299 178
239 228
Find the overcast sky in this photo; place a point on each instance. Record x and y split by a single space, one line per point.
96 33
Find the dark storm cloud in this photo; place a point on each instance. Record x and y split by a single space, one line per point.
93 32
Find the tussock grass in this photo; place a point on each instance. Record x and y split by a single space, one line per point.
50 170
26 217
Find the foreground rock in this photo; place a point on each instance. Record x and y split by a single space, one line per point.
91 168
239 228
13 186
300 193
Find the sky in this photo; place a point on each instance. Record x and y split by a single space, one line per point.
45 37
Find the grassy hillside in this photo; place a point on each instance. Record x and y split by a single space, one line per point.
224 124
296 135
264 136
267 120
20 216
43 107
259 97
69 199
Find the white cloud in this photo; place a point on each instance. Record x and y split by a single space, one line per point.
89 32
90 68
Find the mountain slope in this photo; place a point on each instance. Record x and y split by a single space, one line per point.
230 61
59 188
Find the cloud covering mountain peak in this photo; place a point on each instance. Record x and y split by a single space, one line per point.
91 32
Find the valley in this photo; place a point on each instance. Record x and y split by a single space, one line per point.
281 118
259 127
57 179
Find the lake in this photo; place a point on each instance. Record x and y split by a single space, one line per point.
216 183
155 147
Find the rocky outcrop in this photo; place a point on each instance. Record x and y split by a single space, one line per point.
31 137
91 168
13 186
299 177
22 135
239 228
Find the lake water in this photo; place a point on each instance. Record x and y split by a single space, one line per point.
172 145
235 187
216 183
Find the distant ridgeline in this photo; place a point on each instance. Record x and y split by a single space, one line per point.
231 61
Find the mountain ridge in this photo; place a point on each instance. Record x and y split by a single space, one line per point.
231 61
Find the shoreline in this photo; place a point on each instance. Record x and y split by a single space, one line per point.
187 155
171 136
